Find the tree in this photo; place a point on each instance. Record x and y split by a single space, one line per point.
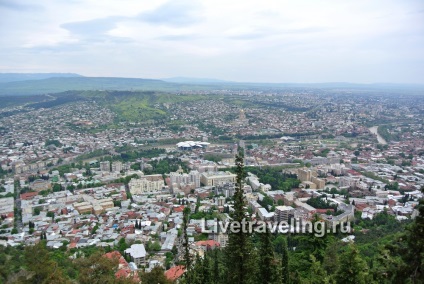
317 273
156 276
352 268
156 246
413 255
57 187
239 253
331 258
43 268
267 263
285 277
187 258
97 269
37 211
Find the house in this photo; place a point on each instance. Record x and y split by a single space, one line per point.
175 272
137 253
124 269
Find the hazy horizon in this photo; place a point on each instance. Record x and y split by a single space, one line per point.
177 79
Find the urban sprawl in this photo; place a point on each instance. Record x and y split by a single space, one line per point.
85 173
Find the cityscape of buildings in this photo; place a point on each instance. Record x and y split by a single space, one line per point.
71 178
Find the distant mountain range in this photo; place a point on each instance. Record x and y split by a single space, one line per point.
57 84
14 77
188 80
46 83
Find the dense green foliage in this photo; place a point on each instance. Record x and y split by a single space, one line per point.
385 132
53 142
163 166
275 177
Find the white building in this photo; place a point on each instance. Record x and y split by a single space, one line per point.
146 184
117 166
217 178
181 179
137 253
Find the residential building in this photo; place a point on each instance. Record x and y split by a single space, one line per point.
117 166
216 178
137 253
105 166
146 184
283 213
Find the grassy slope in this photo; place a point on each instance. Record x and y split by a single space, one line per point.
138 106
54 85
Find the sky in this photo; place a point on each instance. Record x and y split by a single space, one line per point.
299 41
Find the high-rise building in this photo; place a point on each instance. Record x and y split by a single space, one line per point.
195 178
117 166
283 213
146 184
105 166
191 179
304 175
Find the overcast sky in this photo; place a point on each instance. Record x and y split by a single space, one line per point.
359 41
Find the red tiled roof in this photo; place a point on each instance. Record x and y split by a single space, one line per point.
175 272
179 208
361 206
323 211
122 273
353 172
209 243
28 195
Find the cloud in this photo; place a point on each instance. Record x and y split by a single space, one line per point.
15 5
92 27
95 31
351 40
182 37
260 34
173 13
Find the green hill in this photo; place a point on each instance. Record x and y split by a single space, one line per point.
61 84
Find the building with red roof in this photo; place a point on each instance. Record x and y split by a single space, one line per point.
124 270
28 195
179 208
175 272
207 245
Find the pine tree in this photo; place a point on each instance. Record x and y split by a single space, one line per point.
414 254
216 267
206 273
331 258
285 278
267 262
352 268
186 246
317 273
239 251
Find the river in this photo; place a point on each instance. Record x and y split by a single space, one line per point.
380 139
